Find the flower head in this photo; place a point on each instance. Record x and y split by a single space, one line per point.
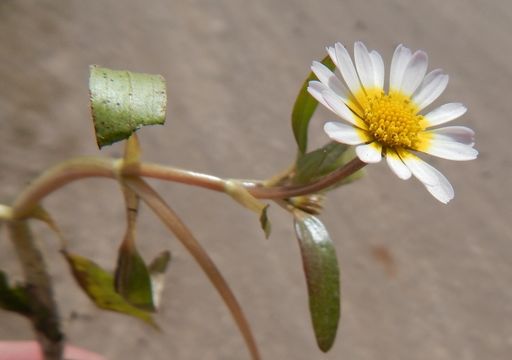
390 123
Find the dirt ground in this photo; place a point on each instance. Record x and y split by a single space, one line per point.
421 280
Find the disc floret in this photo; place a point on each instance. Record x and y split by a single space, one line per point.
393 120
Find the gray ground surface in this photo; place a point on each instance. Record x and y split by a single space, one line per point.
421 280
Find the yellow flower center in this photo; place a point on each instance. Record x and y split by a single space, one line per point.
392 119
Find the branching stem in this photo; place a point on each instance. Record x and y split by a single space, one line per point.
86 167
58 176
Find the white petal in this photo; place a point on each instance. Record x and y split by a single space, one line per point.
442 191
339 107
330 80
461 134
419 168
397 165
435 182
378 69
364 65
433 85
451 150
347 69
315 88
445 113
399 62
345 134
332 54
415 72
369 153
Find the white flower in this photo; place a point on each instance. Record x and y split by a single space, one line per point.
389 124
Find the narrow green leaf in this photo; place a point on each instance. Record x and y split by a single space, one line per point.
98 284
157 269
305 106
13 298
244 197
322 277
321 162
124 101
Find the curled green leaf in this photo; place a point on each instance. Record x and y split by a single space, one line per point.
124 101
322 277
305 106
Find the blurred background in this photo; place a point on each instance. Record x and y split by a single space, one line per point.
420 280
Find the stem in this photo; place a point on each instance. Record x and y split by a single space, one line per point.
44 313
193 178
58 176
255 188
176 225
85 167
288 191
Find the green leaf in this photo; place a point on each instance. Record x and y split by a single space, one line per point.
98 284
132 279
322 277
124 101
244 197
157 269
321 162
305 106
13 298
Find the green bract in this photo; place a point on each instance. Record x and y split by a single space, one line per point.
320 162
